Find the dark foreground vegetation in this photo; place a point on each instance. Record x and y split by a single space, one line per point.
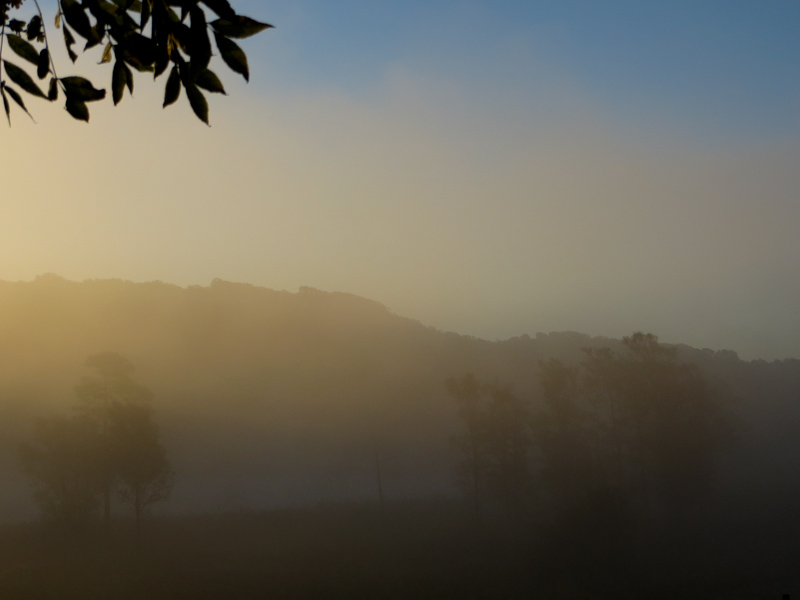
424 549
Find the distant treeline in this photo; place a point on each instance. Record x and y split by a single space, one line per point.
268 398
559 465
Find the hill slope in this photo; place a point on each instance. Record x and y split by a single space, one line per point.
269 397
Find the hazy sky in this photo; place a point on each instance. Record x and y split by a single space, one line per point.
487 167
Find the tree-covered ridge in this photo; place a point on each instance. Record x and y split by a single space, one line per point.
254 384
148 36
594 455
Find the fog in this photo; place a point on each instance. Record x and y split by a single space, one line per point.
353 419
387 328
492 202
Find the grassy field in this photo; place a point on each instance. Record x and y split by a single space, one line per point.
415 550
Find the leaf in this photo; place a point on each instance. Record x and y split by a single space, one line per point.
78 109
238 27
17 98
173 88
233 56
198 102
146 11
209 81
69 40
77 19
98 31
16 25
22 79
141 51
119 79
80 88
182 35
52 92
200 44
43 67
23 48
162 62
34 28
128 78
106 58
6 106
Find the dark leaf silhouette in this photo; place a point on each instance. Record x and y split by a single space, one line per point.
239 27
23 49
16 98
82 89
119 80
34 30
200 44
69 41
209 81
198 102
43 66
6 107
79 21
233 55
52 92
22 79
173 88
77 109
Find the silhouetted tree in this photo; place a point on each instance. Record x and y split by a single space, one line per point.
144 475
562 434
63 461
471 470
496 444
638 425
110 444
149 36
100 397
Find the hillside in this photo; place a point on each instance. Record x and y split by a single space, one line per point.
269 398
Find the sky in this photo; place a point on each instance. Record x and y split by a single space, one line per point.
489 168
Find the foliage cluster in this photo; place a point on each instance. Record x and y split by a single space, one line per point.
150 36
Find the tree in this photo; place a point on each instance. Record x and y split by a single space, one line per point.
649 424
470 471
63 461
144 474
495 445
99 398
561 432
149 36
109 445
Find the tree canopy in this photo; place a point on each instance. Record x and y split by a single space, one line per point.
110 443
148 36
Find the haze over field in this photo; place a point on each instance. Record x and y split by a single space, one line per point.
322 446
491 168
